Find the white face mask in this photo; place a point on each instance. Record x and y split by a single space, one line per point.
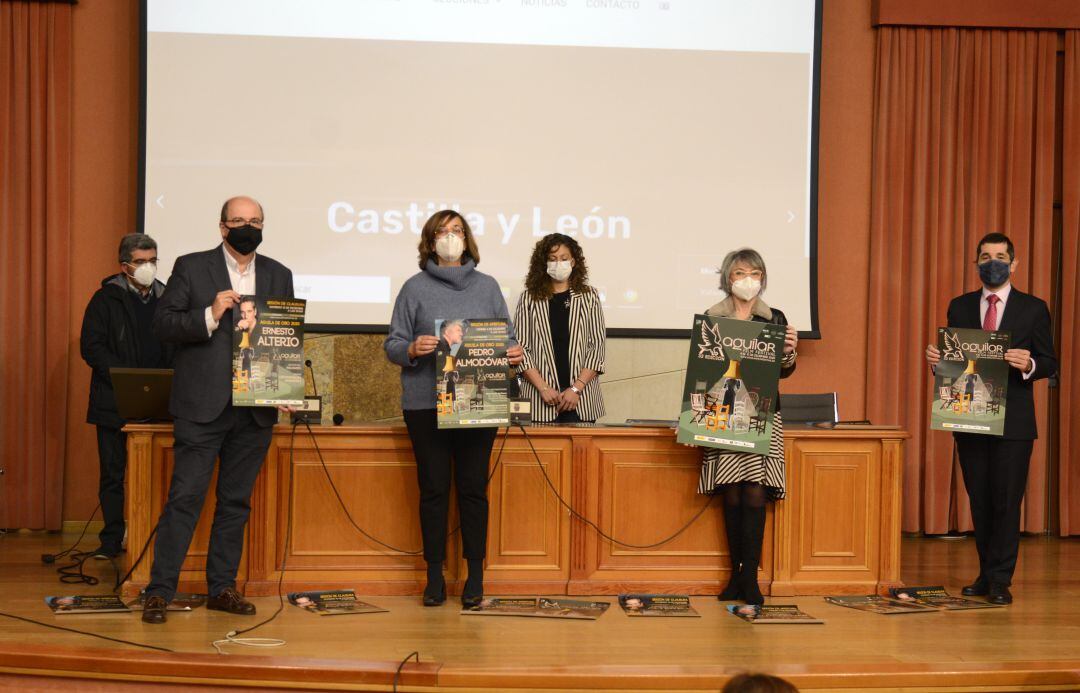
746 288
560 271
144 274
449 247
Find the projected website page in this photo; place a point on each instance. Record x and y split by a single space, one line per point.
660 134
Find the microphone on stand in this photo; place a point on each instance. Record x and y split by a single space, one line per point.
312 411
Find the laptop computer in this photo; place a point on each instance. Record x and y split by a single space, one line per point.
142 394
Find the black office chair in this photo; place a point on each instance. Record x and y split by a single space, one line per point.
809 408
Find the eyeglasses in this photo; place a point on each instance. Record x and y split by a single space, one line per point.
742 274
458 231
140 263
237 221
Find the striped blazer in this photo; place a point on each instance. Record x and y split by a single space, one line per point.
587 342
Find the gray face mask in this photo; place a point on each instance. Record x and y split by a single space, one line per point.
994 272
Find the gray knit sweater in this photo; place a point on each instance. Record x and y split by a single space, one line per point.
437 293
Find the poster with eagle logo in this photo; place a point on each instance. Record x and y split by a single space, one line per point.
970 382
729 398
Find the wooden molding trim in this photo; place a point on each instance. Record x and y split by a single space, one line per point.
989 14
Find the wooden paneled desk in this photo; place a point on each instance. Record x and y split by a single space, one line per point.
838 531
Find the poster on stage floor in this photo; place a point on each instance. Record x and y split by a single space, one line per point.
542 607
772 614
472 373
333 603
86 604
884 606
663 605
732 372
970 382
268 352
937 597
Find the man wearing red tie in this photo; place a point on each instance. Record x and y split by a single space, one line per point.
995 468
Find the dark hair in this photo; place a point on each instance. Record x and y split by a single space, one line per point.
135 241
225 207
996 238
537 281
426 247
758 683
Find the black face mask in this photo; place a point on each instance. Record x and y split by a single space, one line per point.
244 239
994 272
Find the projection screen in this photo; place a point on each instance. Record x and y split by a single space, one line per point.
661 134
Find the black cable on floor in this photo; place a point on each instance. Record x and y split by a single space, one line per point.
121 580
397 674
83 632
51 557
595 526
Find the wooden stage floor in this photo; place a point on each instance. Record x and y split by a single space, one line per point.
1032 645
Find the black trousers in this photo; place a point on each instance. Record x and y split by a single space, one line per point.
995 474
112 464
468 451
241 444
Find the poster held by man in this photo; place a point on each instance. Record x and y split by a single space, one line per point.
268 352
970 382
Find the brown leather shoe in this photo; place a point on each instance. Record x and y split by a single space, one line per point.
231 601
154 609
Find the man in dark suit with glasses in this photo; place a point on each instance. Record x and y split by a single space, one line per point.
197 312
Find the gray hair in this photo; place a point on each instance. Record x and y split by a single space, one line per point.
747 256
451 323
135 241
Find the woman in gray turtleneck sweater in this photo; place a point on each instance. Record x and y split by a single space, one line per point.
447 286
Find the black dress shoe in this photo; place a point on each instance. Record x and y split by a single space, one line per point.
231 601
471 601
104 553
999 594
154 610
978 588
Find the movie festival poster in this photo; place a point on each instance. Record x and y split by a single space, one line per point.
732 372
471 373
268 352
970 382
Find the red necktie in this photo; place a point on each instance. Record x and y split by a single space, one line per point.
990 321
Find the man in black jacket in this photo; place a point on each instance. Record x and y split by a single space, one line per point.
198 311
117 333
995 468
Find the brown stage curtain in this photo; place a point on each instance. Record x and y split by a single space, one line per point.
1069 457
35 229
963 145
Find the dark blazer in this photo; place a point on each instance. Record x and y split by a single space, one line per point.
1027 319
202 384
109 339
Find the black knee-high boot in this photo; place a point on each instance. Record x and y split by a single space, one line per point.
733 529
752 535
473 592
435 591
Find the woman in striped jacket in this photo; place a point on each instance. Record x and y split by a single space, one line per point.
747 480
560 326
